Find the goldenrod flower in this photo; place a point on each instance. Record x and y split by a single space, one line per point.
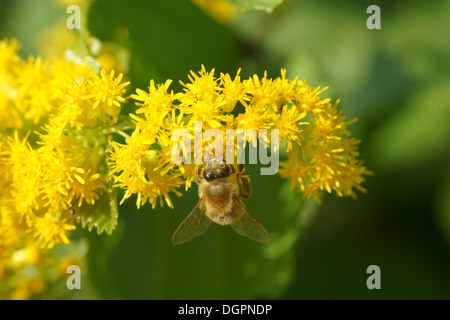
251 121
233 91
58 156
309 100
202 101
289 124
25 166
157 102
55 137
106 92
271 94
137 169
88 187
8 55
321 156
49 230
56 120
296 169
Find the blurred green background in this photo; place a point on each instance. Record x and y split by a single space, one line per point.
394 80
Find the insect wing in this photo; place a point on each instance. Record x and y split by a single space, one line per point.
195 224
246 189
248 225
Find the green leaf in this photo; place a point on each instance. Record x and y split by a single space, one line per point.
266 5
102 215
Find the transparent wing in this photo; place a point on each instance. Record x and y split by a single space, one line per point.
246 189
248 225
195 224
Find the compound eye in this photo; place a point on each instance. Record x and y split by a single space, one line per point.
223 171
209 176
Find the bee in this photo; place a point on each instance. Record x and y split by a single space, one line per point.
220 188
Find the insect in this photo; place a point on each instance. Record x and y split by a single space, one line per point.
220 188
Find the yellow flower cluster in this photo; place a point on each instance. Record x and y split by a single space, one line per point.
58 159
53 139
321 156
